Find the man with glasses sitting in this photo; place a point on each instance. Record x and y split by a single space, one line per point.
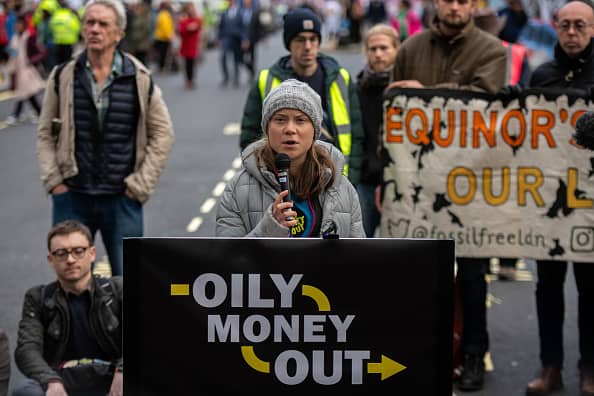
70 334
341 124
572 68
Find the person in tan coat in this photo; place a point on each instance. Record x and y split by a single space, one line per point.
455 54
104 134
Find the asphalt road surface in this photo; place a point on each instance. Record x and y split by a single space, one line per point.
203 159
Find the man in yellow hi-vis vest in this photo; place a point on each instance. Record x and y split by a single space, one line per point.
65 27
342 118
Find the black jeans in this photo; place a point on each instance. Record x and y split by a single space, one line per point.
550 307
473 297
162 48
190 68
19 106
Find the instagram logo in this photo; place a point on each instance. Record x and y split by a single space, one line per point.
582 239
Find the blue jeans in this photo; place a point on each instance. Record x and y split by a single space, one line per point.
231 46
371 217
115 216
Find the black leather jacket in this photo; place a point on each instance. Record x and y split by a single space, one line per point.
44 327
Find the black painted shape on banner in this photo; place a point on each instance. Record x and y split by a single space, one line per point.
591 172
557 250
560 203
399 291
455 219
440 202
416 194
397 195
428 94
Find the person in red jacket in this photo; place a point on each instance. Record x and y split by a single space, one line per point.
189 27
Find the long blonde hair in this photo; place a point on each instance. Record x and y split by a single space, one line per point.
311 179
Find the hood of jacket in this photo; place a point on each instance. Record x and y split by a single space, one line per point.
267 177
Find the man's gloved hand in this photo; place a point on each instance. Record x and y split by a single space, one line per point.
510 91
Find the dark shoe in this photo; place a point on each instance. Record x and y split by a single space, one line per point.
548 381
473 373
507 274
587 382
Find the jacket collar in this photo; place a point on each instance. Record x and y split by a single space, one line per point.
128 66
328 64
573 63
59 293
436 34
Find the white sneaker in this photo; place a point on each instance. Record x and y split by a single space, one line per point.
11 120
33 118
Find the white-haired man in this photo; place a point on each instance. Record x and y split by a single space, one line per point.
104 134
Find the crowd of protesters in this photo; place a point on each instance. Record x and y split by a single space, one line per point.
395 36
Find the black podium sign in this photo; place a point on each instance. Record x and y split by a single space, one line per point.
297 316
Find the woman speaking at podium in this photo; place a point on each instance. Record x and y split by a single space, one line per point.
315 197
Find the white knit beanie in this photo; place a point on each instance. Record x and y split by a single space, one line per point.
293 94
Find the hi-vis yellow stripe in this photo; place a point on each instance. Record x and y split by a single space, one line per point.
180 289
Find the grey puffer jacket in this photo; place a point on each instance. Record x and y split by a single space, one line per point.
245 208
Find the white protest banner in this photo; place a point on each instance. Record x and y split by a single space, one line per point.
497 175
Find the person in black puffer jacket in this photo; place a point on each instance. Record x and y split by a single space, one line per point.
571 69
381 45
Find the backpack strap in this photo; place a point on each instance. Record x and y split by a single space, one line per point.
108 285
57 79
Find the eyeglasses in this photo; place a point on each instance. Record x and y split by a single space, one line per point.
579 26
76 252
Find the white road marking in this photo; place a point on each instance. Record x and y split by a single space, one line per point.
232 129
6 95
229 175
194 224
218 190
102 268
208 205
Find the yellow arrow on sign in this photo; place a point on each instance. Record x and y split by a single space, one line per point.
254 361
318 296
386 368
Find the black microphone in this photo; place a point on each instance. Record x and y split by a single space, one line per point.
283 163
584 130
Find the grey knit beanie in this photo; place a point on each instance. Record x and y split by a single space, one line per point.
293 94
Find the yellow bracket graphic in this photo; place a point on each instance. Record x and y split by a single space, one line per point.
318 296
180 289
254 361
387 367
